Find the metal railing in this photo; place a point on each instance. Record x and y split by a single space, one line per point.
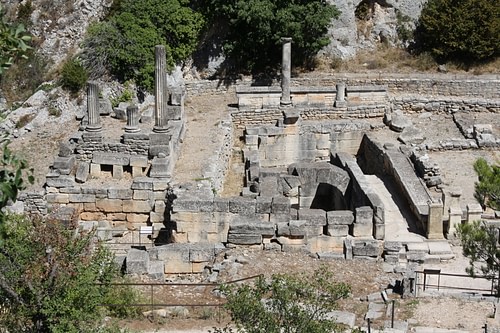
423 277
153 288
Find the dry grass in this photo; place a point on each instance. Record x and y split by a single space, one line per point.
398 60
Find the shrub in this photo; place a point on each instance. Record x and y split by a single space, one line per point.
255 28
461 30
124 44
286 303
488 186
73 76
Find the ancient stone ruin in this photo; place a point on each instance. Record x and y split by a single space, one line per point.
312 175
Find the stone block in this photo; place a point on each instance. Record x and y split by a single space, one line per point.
156 270
280 205
160 167
221 205
244 239
64 163
201 252
136 206
474 212
137 218
257 228
362 230
294 228
65 149
338 230
341 217
242 206
109 158
364 215
160 184
160 206
142 183
325 243
275 218
193 204
95 170
57 198
156 139
119 217
316 217
60 181
155 151
82 198
139 161
137 261
156 217
119 193
263 205
379 231
82 172
109 205
117 172
365 248
92 216
142 195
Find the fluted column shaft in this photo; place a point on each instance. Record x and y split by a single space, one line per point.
286 69
161 98
94 119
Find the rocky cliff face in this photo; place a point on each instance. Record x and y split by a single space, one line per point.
363 24
59 25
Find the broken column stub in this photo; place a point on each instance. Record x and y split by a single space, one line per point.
286 68
94 120
435 220
340 101
132 119
161 98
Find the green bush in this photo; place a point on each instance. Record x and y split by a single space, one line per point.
488 186
13 42
461 30
124 44
73 76
54 278
289 303
255 28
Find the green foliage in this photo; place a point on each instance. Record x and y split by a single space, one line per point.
125 96
13 176
480 245
124 44
255 28
73 76
52 278
461 30
13 39
286 303
488 187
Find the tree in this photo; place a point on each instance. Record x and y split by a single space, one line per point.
124 44
487 190
480 244
462 30
12 176
49 275
13 39
255 28
286 303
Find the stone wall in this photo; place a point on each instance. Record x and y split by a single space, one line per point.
432 85
413 103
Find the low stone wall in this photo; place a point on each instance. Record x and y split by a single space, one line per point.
303 142
412 103
123 207
270 223
376 159
362 194
477 86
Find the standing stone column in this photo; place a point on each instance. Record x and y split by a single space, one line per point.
340 98
161 99
132 119
94 124
286 69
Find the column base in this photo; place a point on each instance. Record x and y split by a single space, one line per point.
91 128
160 129
130 129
